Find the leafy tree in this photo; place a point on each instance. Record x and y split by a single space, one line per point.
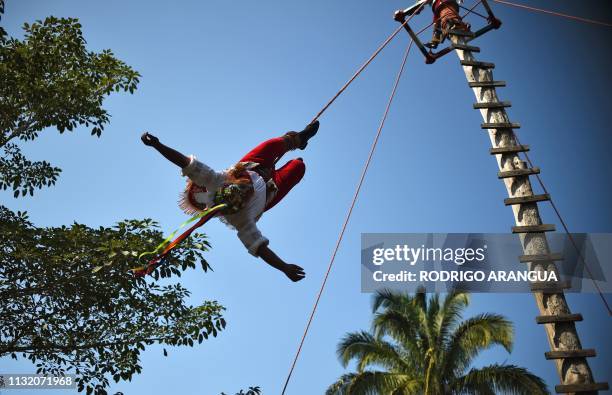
423 347
67 298
69 318
49 79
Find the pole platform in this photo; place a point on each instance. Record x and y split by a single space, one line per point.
550 287
553 319
518 172
492 104
462 33
564 354
487 84
540 258
465 47
511 149
500 125
526 199
480 65
583 387
533 228
465 35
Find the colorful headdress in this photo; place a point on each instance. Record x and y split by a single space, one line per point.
234 195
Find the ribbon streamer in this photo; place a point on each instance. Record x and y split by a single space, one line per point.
203 217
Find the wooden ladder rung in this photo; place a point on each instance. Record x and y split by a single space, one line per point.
540 258
518 172
487 84
463 33
465 47
526 199
533 228
495 104
509 149
582 387
500 125
550 286
587 353
480 65
553 319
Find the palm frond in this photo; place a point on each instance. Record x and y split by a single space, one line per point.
432 317
376 383
412 308
340 387
390 299
453 306
447 320
368 350
401 327
473 336
507 379
420 298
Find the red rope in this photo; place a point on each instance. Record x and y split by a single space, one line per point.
552 203
364 171
363 67
358 72
471 10
571 238
375 54
366 64
349 213
577 18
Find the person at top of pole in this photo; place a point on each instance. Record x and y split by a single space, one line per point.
249 188
445 17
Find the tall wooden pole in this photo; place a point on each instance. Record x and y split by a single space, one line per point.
565 345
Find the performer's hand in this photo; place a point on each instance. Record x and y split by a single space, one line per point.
149 140
294 272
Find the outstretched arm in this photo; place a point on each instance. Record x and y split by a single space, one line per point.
294 272
172 155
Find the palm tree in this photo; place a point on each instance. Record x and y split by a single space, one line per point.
421 346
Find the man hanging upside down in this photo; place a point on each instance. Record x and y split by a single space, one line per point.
249 188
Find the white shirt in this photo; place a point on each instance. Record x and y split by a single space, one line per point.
244 220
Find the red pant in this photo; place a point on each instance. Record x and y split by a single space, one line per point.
287 176
444 11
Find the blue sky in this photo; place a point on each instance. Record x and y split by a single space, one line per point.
219 77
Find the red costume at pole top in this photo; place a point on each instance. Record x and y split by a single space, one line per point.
445 17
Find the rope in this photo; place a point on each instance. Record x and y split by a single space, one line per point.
365 168
552 203
577 18
571 238
554 206
349 213
363 67
366 64
359 71
375 54
471 11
